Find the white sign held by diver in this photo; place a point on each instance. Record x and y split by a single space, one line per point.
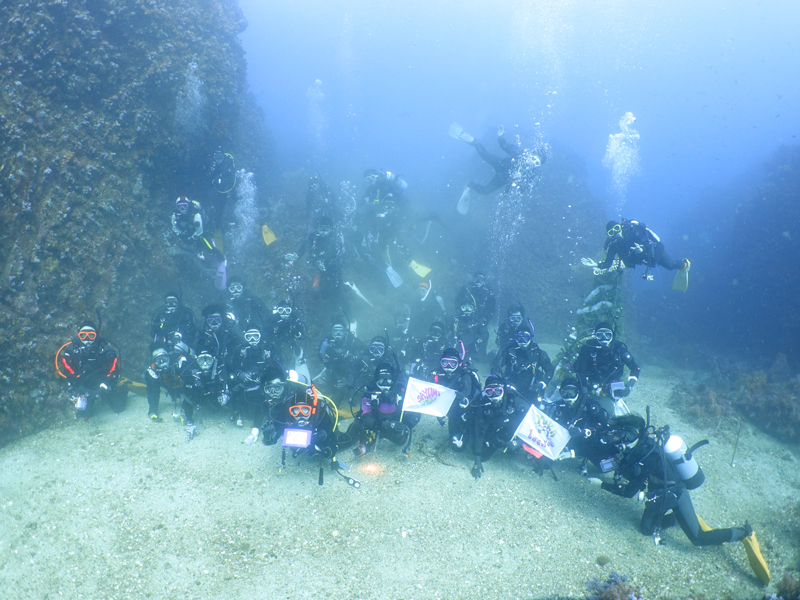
427 398
542 434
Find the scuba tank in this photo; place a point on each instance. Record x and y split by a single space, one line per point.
691 474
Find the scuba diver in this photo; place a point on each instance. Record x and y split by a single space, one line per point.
381 413
382 185
336 353
187 224
469 329
320 201
492 421
246 365
246 309
425 354
505 330
600 367
299 415
363 366
165 371
523 364
648 465
635 244
325 247
483 296
457 375
423 309
205 384
516 172
91 366
219 331
287 333
173 318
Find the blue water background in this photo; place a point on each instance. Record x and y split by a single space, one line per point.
351 85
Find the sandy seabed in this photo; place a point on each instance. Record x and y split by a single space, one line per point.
120 507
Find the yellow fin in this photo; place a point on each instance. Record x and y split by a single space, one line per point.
757 562
267 234
419 269
681 281
218 239
703 525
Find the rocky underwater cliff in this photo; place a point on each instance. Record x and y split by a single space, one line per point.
109 109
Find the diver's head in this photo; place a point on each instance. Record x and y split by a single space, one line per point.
182 205
493 388
388 207
180 348
523 336
436 330
377 347
338 332
235 288
370 176
324 226
274 381
314 183
171 302
516 312
626 431
160 358
214 321
252 336
467 308
479 279
450 361
570 389
283 309
205 361
604 334
384 377
87 333
613 229
422 290
301 413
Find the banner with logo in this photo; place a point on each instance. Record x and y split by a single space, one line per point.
427 398
543 434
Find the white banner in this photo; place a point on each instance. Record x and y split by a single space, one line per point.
542 434
427 398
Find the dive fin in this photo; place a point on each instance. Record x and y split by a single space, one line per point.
267 234
757 562
681 281
221 278
419 269
456 132
218 239
358 293
463 202
396 280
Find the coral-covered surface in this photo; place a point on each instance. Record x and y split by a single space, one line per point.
101 103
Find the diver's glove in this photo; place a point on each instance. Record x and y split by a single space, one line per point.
501 131
477 469
253 437
632 380
291 257
588 262
223 399
595 481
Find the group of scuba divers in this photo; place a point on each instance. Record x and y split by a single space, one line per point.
250 361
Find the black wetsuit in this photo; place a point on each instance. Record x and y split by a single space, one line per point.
637 245
321 422
93 371
528 369
504 167
166 324
598 368
466 383
645 467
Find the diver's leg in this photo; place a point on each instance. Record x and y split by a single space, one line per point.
494 161
495 184
663 259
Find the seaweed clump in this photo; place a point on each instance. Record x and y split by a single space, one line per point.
769 398
616 587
